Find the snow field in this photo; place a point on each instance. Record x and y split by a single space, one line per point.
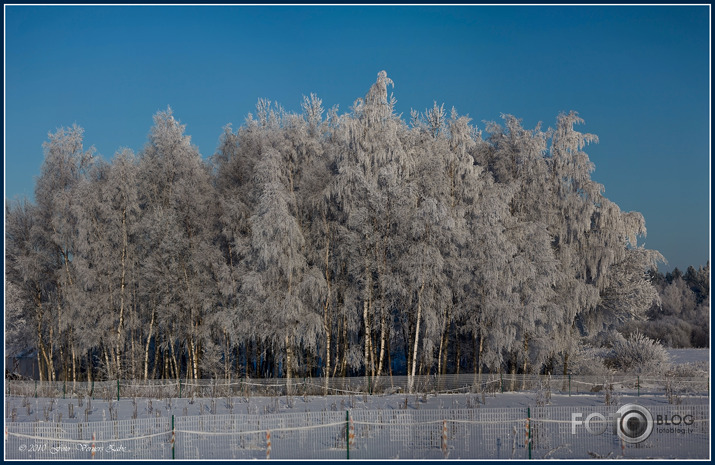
478 426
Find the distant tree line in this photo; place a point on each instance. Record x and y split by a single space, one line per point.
322 244
682 318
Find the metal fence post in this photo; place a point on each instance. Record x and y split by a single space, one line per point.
173 439
347 433
117 389
528 430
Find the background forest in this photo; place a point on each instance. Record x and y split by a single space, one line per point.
326 244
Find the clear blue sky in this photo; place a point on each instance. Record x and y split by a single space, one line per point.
638 75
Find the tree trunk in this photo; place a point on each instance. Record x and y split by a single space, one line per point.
459 352
89 367
49 357
156 358
327 324
481 348
344 367
384 331
148 342
74 364
175 367
526 359
289 363
417 337
120 324
226 357
40 345
195 357
107 361
513 374
366 357
441 365
566 363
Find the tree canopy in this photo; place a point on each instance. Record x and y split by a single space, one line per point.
323 244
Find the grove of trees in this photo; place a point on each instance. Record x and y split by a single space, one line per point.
321 244
682 318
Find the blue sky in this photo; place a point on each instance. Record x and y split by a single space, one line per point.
638 75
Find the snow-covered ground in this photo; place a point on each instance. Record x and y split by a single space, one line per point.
683 356
431 426
389 426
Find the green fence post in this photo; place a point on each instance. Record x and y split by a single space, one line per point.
173 438
528 428
347 432
64 389
501 377
569 384
117 389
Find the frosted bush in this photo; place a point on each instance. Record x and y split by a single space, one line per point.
588 361
638 354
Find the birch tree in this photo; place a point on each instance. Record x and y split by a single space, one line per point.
29 268
179 250
65 165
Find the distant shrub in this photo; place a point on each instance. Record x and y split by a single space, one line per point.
670 330
588 361
699 369
638 354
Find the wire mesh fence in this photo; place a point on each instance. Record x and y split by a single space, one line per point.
677 431
488 383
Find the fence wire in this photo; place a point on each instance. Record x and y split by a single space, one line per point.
463 383
679 431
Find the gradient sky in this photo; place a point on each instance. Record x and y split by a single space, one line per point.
638 75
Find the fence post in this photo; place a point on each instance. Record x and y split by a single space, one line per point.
528 430
444 438
569 384
94 448
179 388
117 389
173 439
35 389
638 384
347 433
64 389
501 378
268 444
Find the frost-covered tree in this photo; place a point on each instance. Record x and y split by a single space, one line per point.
316 243
179 256
65 165
107 260
29 270
370 195
279 279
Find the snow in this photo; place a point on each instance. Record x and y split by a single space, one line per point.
388 426
411 426
684 356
